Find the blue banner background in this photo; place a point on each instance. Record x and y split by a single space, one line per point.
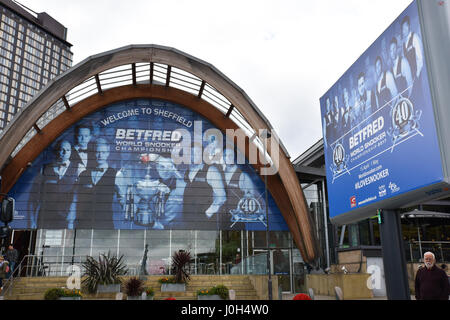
384 144
127 162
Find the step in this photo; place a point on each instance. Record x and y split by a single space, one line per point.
28 288
26 296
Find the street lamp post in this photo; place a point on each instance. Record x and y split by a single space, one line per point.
269 284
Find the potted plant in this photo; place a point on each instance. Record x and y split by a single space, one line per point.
219 292
103 275
71 294
62 294
180 261
150 293
204 294
134 287
222 291
170 284
53 293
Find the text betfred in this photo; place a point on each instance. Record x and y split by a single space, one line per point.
366 132
146 135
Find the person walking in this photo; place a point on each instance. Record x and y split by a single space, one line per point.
431 282
4 266
12 255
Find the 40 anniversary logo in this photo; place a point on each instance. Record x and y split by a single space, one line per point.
405 121
340 160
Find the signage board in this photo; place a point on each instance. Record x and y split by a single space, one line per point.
382 143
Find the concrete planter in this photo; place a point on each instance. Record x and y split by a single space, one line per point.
69 298
173 287
109 288
353 285
209 297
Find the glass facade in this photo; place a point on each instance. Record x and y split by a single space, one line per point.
212 252
29 58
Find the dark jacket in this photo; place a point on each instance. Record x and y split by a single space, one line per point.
432 284
12 255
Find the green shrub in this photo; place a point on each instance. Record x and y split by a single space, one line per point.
150 292
54 293
221 291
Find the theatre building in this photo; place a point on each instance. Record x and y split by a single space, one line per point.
146 147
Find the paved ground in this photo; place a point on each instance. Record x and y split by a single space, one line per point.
291 295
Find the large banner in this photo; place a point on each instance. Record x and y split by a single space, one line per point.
378 123
122 168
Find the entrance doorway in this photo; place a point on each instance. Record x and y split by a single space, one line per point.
25 242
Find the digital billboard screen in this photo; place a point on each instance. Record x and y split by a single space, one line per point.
115 169
380 137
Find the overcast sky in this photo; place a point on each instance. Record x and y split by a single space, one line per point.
285 54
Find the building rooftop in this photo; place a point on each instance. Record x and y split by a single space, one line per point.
42 19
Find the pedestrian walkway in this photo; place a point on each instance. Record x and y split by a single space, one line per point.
290 296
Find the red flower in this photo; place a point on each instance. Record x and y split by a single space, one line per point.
170 298
301 296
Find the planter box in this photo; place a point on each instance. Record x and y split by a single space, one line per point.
109 288
209 297
173 287
69 298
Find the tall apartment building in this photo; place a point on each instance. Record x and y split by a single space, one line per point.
33 50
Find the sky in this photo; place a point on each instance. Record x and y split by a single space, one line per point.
285 54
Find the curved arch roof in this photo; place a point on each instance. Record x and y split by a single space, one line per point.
163 67
115 68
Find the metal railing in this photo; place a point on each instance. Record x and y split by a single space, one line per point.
255 264
416 249
51 266
41 266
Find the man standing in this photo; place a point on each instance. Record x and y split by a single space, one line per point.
386 88
328 123
401 70
95 192
412 48
204 193
366 102
12 255
80 152
431 282
53 190
337 118
348 118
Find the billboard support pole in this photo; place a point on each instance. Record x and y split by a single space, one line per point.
397 286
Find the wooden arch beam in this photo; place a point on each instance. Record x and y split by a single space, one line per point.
299 223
